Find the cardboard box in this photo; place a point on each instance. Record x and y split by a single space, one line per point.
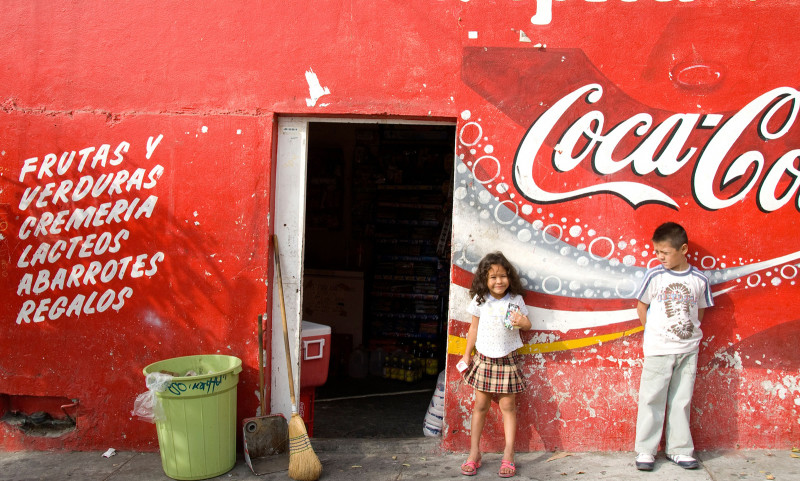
336 299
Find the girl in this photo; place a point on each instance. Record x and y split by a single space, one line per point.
494 369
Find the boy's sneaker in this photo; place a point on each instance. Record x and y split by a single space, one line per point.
645 462
686 462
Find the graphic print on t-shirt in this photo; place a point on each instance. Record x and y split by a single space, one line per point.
677 304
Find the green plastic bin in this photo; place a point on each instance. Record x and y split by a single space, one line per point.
197 438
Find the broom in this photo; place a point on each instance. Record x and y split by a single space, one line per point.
304 464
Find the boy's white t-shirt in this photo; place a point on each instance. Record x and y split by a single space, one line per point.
674 297
494 340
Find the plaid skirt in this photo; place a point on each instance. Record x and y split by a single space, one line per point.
498 375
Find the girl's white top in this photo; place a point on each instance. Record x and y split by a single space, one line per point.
494 340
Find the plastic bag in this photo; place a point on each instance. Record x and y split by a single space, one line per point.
147 406
434 418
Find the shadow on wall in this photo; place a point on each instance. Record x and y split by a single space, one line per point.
543 420
716 389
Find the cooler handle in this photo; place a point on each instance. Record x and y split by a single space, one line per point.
321 343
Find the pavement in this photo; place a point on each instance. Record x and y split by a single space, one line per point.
412 459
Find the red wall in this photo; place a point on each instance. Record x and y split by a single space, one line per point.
208 81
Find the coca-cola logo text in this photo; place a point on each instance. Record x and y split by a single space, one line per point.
664 149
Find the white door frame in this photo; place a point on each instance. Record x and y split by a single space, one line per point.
289 220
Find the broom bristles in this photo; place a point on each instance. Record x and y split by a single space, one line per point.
304 464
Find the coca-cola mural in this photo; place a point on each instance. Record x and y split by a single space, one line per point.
568 173
136 208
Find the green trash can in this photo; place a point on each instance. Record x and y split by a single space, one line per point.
197 438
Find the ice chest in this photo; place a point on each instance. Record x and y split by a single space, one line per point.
315 354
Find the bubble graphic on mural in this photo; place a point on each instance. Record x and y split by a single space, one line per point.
551 284
486 169
470 255
708 262
625 288
505 216
466 114
468 131
553 233
593 249
604 269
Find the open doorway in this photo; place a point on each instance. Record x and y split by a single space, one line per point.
376 270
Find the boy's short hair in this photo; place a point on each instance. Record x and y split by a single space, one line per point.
672 233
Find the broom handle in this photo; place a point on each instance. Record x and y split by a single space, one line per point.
283 318
261 365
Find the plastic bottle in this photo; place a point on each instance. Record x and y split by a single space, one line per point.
409 370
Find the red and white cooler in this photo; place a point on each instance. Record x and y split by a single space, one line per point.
315 353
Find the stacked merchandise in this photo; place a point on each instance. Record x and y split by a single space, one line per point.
434 418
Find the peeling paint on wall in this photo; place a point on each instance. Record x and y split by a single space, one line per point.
315 89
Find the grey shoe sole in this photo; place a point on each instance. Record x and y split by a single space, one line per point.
687 464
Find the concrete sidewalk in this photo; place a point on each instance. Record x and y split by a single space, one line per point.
409 459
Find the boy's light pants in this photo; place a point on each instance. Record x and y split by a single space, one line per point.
666 386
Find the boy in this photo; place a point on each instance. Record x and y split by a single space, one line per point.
672 299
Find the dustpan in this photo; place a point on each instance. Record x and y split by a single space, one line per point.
265 438
266 444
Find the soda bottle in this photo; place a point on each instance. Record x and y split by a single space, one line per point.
409 370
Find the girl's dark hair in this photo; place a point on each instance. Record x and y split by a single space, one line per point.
479 285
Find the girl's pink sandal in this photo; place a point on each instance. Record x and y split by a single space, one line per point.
470 464
507 465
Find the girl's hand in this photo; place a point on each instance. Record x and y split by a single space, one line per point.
521 322
466 360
